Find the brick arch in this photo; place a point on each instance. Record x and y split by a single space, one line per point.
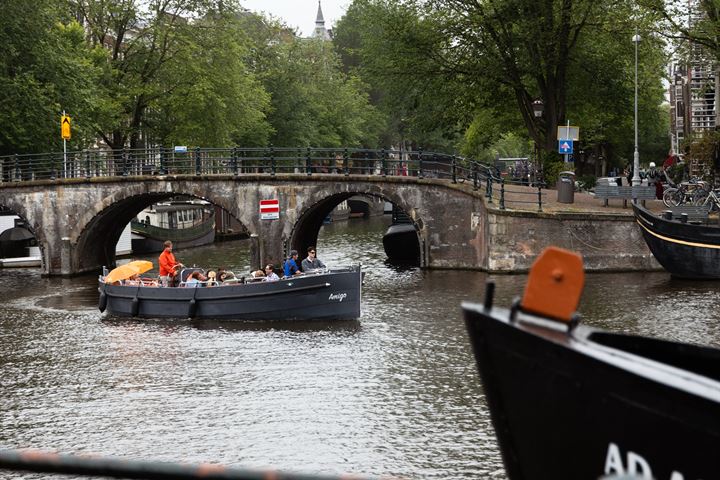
306 228
95 240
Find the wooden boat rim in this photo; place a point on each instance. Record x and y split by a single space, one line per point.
578 339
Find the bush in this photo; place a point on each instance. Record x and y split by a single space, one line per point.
586 182
551 171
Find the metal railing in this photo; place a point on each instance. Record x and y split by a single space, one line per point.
237 161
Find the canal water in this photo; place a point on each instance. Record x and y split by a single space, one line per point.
395 393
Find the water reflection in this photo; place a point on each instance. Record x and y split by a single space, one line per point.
395 393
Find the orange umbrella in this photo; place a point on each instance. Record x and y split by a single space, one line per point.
122 272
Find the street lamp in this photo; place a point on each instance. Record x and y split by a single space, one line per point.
636 154
537 106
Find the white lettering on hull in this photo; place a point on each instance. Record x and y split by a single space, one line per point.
338 296
634 466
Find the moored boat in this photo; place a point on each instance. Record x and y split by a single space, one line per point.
573 402
401 239
186 223
686 249
332 294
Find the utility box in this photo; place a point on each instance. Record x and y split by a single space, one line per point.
566 187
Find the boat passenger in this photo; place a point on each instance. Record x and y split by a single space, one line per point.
290 267
212 279
133 280
168 265
270 275
194 280
311 262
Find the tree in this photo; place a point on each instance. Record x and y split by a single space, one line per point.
44 69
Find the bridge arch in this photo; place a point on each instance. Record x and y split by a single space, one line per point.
101 230
306 228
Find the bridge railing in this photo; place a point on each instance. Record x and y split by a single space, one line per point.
159 161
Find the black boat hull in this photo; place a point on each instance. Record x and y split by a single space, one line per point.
334 295
591 403
686 250
401 242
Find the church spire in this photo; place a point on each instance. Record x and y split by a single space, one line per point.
320 30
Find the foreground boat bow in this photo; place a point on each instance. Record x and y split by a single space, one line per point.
573 402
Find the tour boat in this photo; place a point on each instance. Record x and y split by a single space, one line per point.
573 402
686 249
332 294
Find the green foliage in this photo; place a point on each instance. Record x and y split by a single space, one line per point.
587 182
44 69
551 171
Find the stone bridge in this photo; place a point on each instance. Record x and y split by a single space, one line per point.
78 221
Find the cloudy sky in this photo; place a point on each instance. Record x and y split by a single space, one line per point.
300 13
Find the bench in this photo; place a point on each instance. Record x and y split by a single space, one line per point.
641 192
687 213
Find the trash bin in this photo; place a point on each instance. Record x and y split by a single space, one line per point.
566 187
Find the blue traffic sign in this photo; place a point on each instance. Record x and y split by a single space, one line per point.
565 146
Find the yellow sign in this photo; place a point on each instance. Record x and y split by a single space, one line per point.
568 132
65 127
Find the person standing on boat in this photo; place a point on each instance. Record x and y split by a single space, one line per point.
168 265
290 267
311 262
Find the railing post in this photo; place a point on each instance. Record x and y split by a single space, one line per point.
420 162
16 167
453 167
163 170
272 160
383 157
125 162
489 189
502 194
346 167
475 176
308 165
539 198
198 165
234 161
53 173
87 163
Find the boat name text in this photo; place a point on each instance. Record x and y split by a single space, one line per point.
338 296
634 466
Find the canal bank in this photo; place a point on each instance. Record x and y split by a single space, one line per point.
608 238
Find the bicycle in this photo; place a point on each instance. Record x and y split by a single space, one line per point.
685 193
712 198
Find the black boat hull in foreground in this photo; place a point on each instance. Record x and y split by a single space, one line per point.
401 243
686 250
323 296
580 403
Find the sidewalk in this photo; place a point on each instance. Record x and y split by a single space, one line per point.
582 202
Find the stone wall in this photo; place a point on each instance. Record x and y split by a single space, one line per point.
607 242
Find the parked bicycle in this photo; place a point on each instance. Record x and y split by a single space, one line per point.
688 193
712 199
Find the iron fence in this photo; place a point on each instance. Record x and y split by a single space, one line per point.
237 161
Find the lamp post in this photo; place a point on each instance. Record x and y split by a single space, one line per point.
636 154
537 106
